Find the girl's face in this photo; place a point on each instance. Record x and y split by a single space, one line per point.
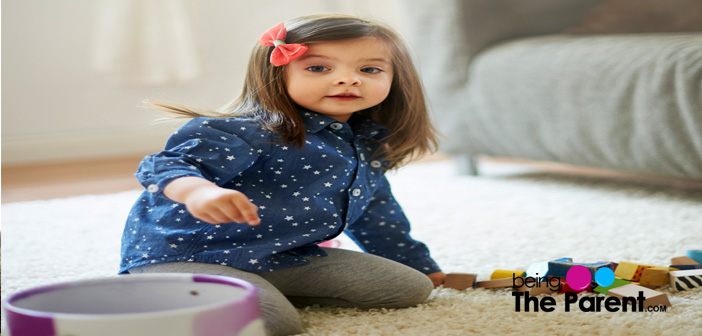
339 78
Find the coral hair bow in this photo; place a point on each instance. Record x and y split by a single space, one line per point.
283 53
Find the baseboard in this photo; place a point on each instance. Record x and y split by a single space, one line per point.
82 146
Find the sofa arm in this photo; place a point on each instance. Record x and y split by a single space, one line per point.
488 22
469 26
447 35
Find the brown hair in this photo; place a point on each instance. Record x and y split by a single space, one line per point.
264 96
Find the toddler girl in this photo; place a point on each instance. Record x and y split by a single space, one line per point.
329 104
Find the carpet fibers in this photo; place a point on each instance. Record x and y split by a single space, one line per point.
508 218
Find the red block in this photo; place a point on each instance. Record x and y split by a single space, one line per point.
566 289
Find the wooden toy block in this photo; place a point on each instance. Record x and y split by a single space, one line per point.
632 271
652 297
686 280
499 283
559 267
655 277
685 267
460 281
696 255
615 284
503 274
682 261
566 289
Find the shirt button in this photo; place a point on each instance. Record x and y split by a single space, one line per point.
152 188
376 164
356 192
336 126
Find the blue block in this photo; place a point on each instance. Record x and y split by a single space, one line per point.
687 267
559 267
696 255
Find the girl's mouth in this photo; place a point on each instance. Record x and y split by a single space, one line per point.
344 97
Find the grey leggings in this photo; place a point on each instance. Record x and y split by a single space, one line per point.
343 279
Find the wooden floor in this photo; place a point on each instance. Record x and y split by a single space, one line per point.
56 180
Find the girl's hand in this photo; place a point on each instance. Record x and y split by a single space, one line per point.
211 203
437 278
217 205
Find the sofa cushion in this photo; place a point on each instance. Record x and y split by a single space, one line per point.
630 102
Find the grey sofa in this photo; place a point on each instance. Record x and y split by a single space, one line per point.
503 80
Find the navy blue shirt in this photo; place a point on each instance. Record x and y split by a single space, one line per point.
307 195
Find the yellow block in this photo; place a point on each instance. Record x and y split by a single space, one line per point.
633 271
654 277
504 274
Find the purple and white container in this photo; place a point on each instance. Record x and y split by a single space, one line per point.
142 304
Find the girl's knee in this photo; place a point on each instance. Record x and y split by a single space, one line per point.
279 323
406 292
418 290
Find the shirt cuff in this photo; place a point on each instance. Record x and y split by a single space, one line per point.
155 183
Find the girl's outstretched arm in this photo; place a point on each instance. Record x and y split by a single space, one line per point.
211 203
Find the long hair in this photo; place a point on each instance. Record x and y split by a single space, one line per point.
265 98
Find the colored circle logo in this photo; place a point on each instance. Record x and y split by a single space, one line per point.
578 277
604 277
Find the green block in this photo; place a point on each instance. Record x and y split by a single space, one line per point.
615 284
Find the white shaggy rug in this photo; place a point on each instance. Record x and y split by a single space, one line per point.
508 218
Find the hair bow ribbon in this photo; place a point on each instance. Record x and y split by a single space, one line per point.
283 53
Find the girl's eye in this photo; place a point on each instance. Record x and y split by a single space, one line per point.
317 68
371 70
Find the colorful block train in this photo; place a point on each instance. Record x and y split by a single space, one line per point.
684 273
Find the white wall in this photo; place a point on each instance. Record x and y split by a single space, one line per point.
56 106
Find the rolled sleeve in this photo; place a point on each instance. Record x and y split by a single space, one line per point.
384 230
213 149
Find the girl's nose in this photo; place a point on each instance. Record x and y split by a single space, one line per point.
347 79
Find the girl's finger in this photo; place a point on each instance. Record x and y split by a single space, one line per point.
248 210
218 216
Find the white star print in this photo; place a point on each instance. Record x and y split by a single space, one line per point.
270 163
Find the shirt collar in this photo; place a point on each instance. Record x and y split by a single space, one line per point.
360 125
